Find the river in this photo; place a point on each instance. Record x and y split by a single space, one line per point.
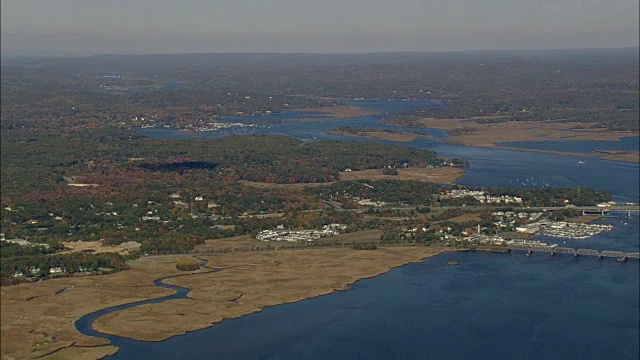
489 306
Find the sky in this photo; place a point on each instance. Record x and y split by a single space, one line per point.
80 27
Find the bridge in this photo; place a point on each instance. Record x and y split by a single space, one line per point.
530 249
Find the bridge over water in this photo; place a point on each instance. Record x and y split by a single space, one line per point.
575 252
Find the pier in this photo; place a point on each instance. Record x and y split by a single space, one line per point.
621 256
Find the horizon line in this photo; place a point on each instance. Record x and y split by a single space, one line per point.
35 53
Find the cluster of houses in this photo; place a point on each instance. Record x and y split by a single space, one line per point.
214 126
510 219
481 196
369 202
23 242
52 271
302 236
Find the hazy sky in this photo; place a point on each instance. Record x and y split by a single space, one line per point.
163 26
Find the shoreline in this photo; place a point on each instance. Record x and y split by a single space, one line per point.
114 324
248 279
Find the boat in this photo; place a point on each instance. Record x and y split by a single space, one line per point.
452 263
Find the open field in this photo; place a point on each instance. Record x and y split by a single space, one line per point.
242 241
441 175
254 279
98 247
468 132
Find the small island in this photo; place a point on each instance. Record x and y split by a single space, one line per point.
382 134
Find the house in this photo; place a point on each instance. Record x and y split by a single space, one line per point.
530 228
56 270
368 202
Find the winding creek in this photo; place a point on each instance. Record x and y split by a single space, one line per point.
498 305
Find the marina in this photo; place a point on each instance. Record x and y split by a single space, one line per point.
577 231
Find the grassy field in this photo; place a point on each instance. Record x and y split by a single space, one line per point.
242 241
97 247
441 175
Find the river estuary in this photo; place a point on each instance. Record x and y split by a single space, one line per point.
489 306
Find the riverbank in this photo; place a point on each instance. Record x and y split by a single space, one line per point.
249 282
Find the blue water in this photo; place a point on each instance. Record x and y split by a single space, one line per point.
491 306
631 143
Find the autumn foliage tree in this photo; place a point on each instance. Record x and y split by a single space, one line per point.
187 264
